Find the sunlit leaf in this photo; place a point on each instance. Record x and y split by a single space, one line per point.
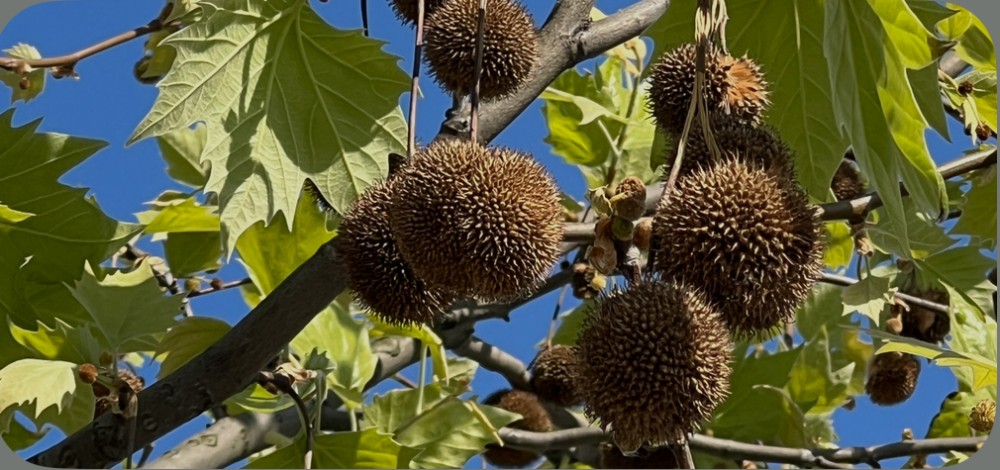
984 371
360 449
186 340
420 332
62 343
868 297
344 341
975 44
291 98
813 382
47 392
182 150
839 246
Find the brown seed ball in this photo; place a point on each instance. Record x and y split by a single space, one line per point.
509 47
924 324
87 373
479 221
759 145
654 363
847 183
745 236
534 418
406 10
662 457
892 378
983 415
554 376
629 201
733 87
379 277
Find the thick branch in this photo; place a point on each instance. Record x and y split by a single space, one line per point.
223 370
495 359
824 458
567 40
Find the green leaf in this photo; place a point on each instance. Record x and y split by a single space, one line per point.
868 297
962 268
190 253
975 44
46 392
984 94
927 92
984 372
11 216
952 419
450 433
180 216
19 437
67 229
360 449
126 306
388 413
35 78
182 150
822 313
570 324
292 98
839 246
420 332
186 340
270 253
930 12
813 383
972 334
344 341
786 38
255 399
62 343
783 423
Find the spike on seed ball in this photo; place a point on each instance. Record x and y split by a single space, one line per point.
406 10
554 376
477 221
892 378
983 415
847 183
925 324
760 145
661 457
379 277
747 237
534 418
654 363
734 87
509 47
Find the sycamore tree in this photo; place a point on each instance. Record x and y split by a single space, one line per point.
278 123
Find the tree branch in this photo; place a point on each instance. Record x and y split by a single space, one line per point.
567 40
729 449
495 359
908 299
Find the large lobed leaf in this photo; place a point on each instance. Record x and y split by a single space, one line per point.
359 449
286 98
46 392
48 231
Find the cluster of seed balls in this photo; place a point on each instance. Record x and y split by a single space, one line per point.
510 44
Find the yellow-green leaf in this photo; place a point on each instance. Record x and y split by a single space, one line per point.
185 341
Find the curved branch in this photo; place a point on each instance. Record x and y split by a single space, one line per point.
495 359
569 39
824 458
845 281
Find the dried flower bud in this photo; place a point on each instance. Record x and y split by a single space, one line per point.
87 373
629 201
982 416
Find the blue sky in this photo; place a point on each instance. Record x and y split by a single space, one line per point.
106 103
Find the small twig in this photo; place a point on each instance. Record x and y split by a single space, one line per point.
364 15
222 287
909 299
555 316
422 380
67 62
477 72
146 452
418 46
682 452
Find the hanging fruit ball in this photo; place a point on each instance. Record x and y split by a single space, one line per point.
554 376
534 418
892 378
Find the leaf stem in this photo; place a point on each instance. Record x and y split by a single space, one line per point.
418 47
422 379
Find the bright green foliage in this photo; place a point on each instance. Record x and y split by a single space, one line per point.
182 150
599 120
420 332
975 45
952 419
62 343
126 308
66 230
186 340
33 78
191 233
979 215
839 246
984 372
868 297
291 98
786 38
344 341
47 392
360 449
255 399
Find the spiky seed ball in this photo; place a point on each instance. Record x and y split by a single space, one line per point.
379 277
472 220
734 87
534 418
759 145
847 183
925 324
892 378
509 46
654 362
554 376
406 10
983 415
661 457
747 237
